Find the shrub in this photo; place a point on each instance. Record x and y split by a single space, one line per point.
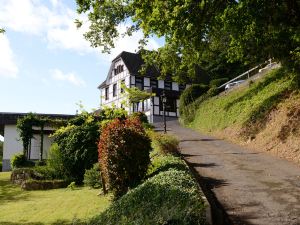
165 143
191 93
40 163
171 197
218 82
163 163
47 172
123 154
77 144
55 162
19 160
0 166
142 116
92 177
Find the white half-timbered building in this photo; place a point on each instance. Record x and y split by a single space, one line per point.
125 69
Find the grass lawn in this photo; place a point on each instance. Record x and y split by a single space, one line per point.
58 206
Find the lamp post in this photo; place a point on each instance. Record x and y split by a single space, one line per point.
164 100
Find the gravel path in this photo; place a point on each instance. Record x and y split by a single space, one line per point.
251 187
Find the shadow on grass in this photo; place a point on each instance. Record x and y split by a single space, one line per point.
57 222
258 118
11 192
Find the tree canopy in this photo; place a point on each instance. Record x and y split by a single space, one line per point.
247 31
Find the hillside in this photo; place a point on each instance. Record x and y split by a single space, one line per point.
264 115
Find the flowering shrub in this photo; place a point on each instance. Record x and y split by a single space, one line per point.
123 154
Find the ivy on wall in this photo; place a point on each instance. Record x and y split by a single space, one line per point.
25 127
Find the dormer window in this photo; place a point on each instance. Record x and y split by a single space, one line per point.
119 69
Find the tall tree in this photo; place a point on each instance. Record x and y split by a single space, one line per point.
255 29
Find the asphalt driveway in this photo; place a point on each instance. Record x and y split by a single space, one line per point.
248 187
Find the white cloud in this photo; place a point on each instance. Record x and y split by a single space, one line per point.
56 25
24 16
8 67
71 78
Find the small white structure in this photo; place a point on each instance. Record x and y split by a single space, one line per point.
13 144
125 69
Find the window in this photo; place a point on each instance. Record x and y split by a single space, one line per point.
168 85
122 83
153 83
139 83
115 90
106 93
119 69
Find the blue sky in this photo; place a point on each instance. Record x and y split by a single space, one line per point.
46 65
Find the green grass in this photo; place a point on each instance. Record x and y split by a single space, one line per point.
244 106
58 206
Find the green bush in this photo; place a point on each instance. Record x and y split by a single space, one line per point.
187 113
40 163
77 146
47 172
142 116
191 93
163 163
171 197
218 82
123 154
165 143
19 160
55 162
92 177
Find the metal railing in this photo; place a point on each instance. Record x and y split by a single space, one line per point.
269 61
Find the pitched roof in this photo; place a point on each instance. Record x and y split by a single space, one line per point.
133 62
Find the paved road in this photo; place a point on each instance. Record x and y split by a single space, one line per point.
252 187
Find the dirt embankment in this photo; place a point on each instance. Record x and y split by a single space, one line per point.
280 134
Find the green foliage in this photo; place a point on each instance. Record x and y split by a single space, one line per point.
19 160
77 146
188 113
273 25
218 82
47 173
222 37
135 95
170 197
55 161
72 186
92 177
188 96
165 143
107 114
123 154
245 106
161 163
191 93
2 31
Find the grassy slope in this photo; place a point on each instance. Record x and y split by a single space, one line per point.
59 206
265 113
243 106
